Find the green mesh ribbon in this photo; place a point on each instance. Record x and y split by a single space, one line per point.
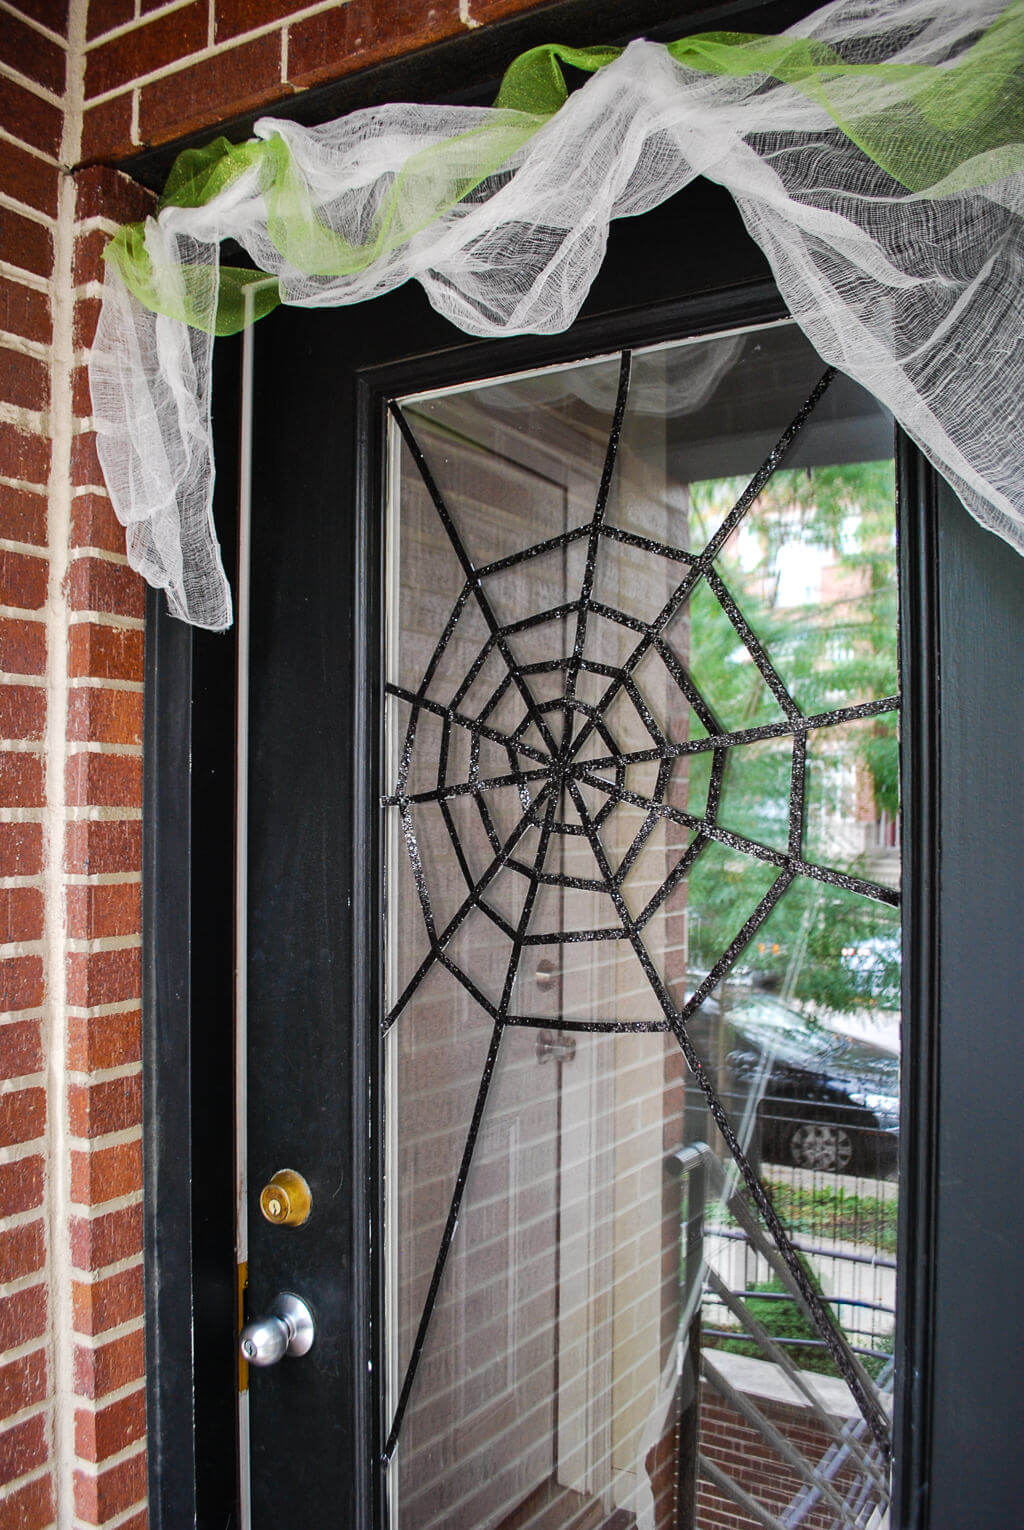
935 130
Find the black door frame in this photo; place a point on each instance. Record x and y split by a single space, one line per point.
954 580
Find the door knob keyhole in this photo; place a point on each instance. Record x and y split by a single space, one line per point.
287 1329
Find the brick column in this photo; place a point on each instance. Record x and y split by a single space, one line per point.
102 870
32 86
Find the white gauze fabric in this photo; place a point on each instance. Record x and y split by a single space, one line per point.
918 297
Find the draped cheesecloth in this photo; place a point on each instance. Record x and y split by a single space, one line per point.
875 151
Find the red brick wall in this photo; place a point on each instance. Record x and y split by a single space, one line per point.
734 1445
183 67
32 85
82 84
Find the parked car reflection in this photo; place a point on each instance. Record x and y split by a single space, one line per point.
825 1101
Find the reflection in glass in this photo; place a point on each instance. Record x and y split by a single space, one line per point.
643 802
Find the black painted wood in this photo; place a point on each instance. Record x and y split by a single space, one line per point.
975 1463
188 1042
166 1042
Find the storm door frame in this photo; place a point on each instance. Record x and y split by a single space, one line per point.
959 604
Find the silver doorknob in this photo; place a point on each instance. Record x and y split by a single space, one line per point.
288 1329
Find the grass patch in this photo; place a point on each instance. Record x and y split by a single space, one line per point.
832 1213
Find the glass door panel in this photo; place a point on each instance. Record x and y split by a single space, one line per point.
642 945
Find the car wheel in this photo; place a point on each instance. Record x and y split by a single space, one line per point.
816 1145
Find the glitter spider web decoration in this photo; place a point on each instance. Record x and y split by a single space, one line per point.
555 783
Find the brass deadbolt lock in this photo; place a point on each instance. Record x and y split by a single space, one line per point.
286 1200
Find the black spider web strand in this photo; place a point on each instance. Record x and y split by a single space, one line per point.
771 463
405 761
728 740
798 796
558 878
593 542
590 1027
479 593
647 828
715 783
705 559
528 905
680 673
656 809
446 813
464 980
419 875
679 871
572 937
463 720
446 1239
765 668
445 638
550 544
452 1220
525 823
647 544
496 918
469 678
539 619
752 847
453 789
838 1348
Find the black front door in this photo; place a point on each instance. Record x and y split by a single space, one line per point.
572 827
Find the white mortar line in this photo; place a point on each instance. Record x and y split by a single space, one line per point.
23 1282
35 422
30 1347
104 1076
103 878
23 143
28 210
12 341
118 1519
107 1139
24 279
96 1468
14 1153
12 1086
10 544
104 1272
62 1322
26 1480
115 1395
103 815
40 27
22 1219
102 683
32 1410
128 26
97 221
90 746
95 1341
228 46
105 553
107 619
97 1011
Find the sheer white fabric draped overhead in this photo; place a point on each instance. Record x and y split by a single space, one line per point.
919 296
